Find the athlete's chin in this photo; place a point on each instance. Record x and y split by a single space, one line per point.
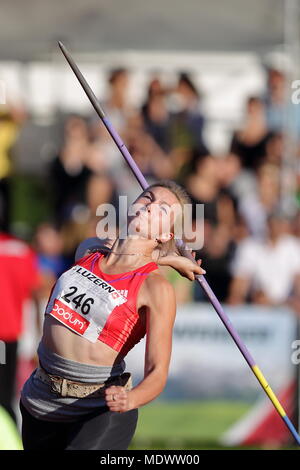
138 234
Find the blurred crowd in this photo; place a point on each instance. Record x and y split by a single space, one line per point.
53 178
55 174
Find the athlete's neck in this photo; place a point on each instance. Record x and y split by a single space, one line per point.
131 252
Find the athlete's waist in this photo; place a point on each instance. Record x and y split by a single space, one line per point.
74 389
55 364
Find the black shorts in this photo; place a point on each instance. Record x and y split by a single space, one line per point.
101 430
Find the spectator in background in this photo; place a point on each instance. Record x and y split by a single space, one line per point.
104 156
275 100
149 156
19 282
217 255
257 205
204 187
8 134
212 185
249 142
274 149
265 272
52 263
100 189
280 111
155 86
187 122
68 172
235 180
117 106
156 119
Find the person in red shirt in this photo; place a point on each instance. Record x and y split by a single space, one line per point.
19 281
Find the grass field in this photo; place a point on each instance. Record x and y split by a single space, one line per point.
185 425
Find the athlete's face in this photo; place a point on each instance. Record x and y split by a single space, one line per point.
153 213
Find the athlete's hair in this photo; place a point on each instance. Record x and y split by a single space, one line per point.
183 198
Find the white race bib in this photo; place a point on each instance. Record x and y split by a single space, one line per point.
83 301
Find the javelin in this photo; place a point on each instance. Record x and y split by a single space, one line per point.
183 249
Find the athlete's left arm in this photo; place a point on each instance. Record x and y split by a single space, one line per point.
184 266
161 311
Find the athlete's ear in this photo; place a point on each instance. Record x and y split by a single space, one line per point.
165 237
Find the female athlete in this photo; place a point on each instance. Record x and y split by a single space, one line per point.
80 396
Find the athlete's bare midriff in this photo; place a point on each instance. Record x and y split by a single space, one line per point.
66 343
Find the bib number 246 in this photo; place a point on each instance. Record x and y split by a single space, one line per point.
78 300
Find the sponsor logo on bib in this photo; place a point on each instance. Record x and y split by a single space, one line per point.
69 317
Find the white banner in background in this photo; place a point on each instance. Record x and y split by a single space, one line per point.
206 363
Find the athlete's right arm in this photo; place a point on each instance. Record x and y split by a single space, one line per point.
159 298
161 311
92 243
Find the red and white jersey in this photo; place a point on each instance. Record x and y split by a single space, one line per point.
100 306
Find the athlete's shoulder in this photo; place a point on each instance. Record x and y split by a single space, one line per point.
157 284
158 295
86 246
